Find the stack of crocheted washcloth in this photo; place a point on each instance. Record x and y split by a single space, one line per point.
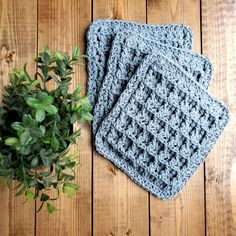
153 115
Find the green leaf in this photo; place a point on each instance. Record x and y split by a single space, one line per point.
84 56
27 120
38 60
54 143
71 164
13 78
23 189
25 137
73 118
43 129
73 106
77 90
58 56
89 109
47 100
17 127
30 195
51 109
12 141
48 156
87 116
34 161
44 197
32 101
46 58
76 52
34 84
23 77
24 150
69 177
51 208
18 185
84 101
46 49
75 155
76 134
39 106
45 70
40 115
26 73
41 95
69 190
76 94
37 132
79 63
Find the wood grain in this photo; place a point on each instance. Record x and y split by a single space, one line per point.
185 214
109 203
219 43
62 25
18 25
120 206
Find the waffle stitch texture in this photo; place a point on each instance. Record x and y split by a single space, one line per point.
162 127
102 32
127 52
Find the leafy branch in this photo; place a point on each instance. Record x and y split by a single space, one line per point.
36 128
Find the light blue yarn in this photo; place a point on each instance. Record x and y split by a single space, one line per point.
153 116
102 32
162 127
128 50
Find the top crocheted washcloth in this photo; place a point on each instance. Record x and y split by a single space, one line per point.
162 127
128 50
102 32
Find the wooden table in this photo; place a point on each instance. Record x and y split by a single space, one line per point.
109 203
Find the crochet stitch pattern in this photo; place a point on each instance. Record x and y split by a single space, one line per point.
127 52
102 32
162 127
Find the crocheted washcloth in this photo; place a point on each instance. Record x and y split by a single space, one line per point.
162 127
127 52
102 32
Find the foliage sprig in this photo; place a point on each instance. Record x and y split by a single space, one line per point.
36 127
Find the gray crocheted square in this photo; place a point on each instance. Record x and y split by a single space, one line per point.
102 32
127 52
162 127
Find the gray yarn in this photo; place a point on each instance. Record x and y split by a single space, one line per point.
127 52
162 127
102 32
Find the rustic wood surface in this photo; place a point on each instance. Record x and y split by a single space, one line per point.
109 203
173 217
219 43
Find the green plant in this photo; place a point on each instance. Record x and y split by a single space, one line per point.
36 128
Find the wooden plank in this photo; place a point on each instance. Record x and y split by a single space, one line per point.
120 206
62 25
219 43
18 34
185 214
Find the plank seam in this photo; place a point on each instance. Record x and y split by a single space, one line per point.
92 163
149 197
37 35
204 166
